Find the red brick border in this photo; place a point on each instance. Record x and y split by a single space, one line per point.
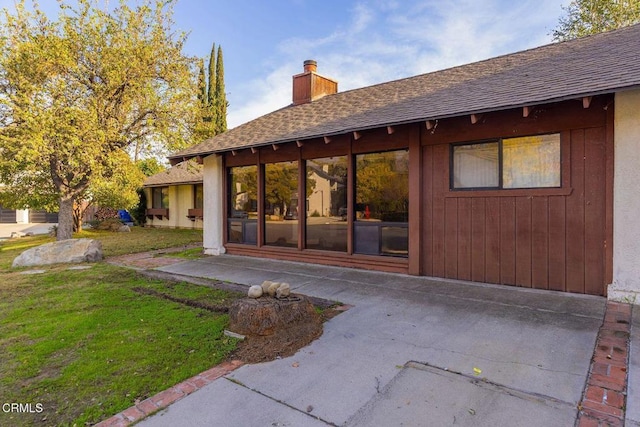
604 399
169 396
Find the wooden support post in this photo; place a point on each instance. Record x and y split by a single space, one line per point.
526 111
234 153
275 147
357 135
253 150
299 143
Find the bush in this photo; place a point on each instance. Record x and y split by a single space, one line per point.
106 213
139 212
110 224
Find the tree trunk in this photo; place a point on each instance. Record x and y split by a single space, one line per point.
78 213
65 219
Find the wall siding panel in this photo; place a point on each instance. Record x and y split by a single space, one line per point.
552 239
523 241
464 239
540 242
594 206
478 222
575 216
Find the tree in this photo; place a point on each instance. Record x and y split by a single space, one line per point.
211 89
585 17
76 93
212 110
220 101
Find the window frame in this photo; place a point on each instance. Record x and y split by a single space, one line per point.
195 196
563 189
161 204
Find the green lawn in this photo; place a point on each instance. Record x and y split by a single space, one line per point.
87 344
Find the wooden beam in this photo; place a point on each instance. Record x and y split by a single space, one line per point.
586 101
234 153
299 143
357 135
390 130
475 118
253 150
327 139
430 124
526 111
275 147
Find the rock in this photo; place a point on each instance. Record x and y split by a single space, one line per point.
255 291
265 286
17 234
283 291
273 289
124 229
63 251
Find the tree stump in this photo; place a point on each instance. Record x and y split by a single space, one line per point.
267 315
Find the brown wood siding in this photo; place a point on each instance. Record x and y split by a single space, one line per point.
544 239
551 238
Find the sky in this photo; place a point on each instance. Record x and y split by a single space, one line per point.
357 43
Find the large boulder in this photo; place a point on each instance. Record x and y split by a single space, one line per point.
63 251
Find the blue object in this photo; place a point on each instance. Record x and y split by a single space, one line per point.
124 216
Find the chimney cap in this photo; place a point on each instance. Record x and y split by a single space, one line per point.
310 65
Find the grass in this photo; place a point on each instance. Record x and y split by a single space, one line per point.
87 344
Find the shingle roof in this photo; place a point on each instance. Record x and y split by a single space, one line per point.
188 172
593 65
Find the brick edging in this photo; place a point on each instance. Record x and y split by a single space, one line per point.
604 399
165 398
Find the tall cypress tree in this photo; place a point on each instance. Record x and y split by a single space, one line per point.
220 96
211 94
202 86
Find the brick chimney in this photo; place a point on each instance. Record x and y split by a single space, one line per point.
310 86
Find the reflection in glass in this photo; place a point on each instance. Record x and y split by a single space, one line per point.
382 203
160 197
281 204
243 204
198 202
531 162
326 206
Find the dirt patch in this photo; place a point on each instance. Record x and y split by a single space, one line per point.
216 308
283 343
256 349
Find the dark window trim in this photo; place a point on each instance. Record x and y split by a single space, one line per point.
563 190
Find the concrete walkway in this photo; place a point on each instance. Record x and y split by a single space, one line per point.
34 228
412 351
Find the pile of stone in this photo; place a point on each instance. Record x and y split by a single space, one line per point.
273 289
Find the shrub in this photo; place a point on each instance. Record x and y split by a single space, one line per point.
106 213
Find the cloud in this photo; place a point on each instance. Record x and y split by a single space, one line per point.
386 40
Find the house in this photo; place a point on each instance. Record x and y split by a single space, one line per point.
518 170
175 197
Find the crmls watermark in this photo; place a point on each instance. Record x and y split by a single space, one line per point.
22 408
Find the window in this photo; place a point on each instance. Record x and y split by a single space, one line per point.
198 196
326 205
382 203
525 162
243 205
160 198
281 204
